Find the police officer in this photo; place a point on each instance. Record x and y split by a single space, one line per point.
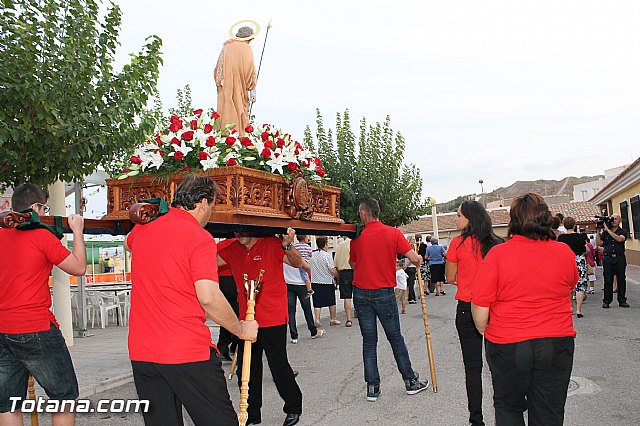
614 262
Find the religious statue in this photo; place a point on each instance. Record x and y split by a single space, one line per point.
235 77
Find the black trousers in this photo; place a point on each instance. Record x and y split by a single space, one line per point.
411 282
614 266
471 345
230 291
273 341
532 375
200 386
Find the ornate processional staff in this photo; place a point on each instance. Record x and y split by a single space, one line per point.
252 288
252 100
427 331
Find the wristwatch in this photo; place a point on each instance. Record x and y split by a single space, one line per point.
287 247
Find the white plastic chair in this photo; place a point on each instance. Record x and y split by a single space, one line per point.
104 303
124 299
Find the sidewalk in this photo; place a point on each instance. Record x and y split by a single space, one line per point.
102 361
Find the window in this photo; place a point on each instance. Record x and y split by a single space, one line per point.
624 214
635 216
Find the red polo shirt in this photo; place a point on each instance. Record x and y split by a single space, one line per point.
168 256
527 285
225 270
468 257
26 260
267 254
374 255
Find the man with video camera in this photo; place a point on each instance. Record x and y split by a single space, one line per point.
612 239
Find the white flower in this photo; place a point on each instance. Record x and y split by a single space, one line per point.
277 163
184 149
212 161
151 158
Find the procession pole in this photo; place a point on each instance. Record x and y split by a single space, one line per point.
252 287
260 63
32 395
427 332
234 363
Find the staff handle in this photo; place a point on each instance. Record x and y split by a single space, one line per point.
243 414
427 332
32 395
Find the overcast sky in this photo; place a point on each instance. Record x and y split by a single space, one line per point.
499 90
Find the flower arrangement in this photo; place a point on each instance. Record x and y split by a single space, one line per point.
200 143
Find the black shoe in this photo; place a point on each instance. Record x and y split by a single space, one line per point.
624 305
605 305
291 419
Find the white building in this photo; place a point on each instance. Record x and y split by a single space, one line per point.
584 191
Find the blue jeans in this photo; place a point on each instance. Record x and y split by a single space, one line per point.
45 356
300 292
381 304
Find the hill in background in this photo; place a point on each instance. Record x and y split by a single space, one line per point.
545 187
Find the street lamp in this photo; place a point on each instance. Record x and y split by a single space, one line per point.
481 182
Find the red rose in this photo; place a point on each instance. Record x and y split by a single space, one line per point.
280 142
321 173
208 128
135 159
297 151
158 140
277 154
157 151
175 141
174 127
202 155
174 118
197 112
268 144
249 128
231 162
230 140
318 162
264 136
292 166
186 168
245 141
194 124
187 136
266 153
178 156
211 141
215 115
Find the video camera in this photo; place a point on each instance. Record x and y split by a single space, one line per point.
601 220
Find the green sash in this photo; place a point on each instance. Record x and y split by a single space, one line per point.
35 223
163 207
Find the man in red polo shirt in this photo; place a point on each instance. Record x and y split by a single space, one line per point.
174 283
373 257
30 339
248 255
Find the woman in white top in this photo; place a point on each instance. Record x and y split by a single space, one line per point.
322 273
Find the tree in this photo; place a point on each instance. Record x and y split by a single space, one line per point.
63 108
373 168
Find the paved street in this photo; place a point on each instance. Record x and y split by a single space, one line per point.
603 391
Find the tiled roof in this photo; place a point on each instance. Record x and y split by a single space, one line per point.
581 211
446 221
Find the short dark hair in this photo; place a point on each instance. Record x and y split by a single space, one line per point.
193 189
371 206
301 237
25 195
555 222
569 222
321 242
531 218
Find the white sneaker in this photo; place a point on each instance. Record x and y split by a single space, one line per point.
320 333
294 341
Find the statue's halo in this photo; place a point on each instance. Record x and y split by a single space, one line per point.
244 23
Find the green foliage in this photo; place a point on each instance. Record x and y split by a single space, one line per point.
371 165
185 107
63 108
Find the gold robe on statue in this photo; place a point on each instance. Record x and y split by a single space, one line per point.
235 76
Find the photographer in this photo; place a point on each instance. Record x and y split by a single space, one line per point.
612 239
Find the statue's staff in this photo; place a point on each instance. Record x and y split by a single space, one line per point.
251 102
252 287
427 331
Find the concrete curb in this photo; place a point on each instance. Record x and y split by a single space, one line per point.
114 382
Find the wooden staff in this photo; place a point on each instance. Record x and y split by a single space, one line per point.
32 395
427 332
252 287
234 363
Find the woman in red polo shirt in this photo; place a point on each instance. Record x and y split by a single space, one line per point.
463 260
524 287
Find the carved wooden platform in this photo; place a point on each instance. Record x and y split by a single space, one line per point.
247 197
